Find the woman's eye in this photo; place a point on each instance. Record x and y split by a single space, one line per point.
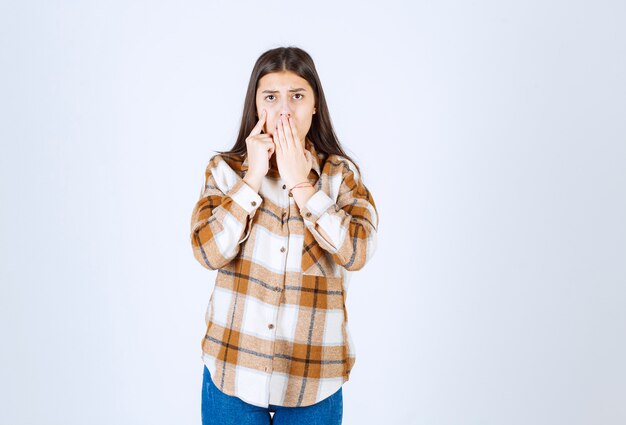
272 96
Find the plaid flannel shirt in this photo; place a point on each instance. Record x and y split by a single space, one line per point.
277 326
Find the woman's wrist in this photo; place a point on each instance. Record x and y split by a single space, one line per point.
253 181
299 183
301 193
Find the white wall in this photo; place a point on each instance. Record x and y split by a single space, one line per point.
492 135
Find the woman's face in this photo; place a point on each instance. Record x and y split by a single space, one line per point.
285 93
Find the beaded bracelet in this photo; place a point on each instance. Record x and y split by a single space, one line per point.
298 185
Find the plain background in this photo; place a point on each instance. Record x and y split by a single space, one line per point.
491 134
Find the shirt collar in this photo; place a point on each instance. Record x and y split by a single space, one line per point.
309 146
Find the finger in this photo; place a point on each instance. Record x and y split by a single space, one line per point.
259 125
287 132
280 132
259 138
292 136
294 133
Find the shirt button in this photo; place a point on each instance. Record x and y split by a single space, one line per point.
271 326
282 249
291 194
284 186
253 203
308 214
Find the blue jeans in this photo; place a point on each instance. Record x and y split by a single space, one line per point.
219 408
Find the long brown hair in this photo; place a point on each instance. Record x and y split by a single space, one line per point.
299 62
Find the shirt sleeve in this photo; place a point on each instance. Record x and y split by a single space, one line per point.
221 218
348 227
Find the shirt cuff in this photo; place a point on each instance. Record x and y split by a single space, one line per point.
316 206
245 196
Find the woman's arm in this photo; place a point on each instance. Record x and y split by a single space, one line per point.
222 215
347 229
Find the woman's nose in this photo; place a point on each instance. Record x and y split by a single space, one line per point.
284 109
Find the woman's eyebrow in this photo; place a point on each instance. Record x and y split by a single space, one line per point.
276 91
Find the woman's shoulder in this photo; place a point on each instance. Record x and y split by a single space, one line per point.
230 160
339 164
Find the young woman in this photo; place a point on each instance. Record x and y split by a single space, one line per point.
283 217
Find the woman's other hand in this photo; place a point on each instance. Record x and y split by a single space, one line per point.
293 160
260 148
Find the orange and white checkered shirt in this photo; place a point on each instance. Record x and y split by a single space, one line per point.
277 326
